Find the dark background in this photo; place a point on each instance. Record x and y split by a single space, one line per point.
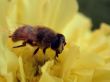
97 10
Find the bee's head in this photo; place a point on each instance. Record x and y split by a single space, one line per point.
58 43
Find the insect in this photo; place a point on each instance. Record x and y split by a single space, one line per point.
39 36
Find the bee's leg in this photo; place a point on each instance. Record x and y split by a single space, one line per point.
22 45
56 56
35 51
44 50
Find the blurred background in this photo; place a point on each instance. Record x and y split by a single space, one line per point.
97 10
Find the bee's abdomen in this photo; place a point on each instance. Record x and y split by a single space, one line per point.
22 33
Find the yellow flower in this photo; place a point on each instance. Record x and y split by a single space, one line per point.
86 57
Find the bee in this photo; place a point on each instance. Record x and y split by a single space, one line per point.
40 36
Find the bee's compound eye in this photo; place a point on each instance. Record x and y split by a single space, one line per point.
55 43
64 43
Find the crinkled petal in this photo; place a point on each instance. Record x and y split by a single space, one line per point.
46 76
102 74
49 78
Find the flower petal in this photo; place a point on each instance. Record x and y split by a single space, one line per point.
8 60
4 4
21 70
52 13
59 13
77 29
